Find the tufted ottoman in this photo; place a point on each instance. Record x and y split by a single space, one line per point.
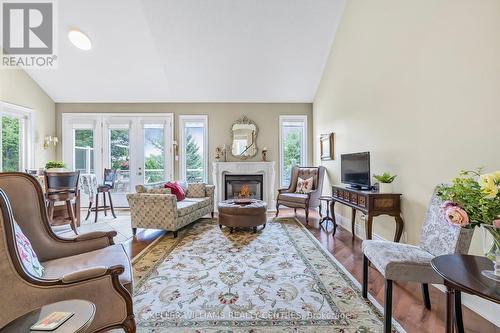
233 214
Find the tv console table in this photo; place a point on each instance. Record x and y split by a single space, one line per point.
371 203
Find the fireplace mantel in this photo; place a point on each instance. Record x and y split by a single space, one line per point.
219 169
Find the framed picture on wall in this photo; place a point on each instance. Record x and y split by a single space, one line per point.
327 147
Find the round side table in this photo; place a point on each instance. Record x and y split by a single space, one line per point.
327 218
463 273
84 312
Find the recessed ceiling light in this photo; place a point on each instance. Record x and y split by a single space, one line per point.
79 39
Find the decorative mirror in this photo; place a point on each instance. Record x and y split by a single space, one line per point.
244 138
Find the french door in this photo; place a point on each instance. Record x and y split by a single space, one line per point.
137 146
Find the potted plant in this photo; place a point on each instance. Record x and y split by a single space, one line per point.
385 182
55 166
473 200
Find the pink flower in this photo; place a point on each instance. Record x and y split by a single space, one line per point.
448 204
496 223
456 216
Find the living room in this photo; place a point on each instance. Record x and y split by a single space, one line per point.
251 166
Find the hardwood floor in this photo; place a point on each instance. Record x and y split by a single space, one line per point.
408 308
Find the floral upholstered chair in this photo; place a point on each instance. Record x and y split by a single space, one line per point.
295 196
404 262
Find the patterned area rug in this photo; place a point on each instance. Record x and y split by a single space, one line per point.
277 280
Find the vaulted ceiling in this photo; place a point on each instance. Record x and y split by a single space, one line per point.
192 50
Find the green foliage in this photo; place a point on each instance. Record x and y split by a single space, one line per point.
291 153
194 161
54 164
119 149
385 178
10 144
467 192
84 138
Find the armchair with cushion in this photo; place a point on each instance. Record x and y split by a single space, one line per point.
153 207
288 196
88 266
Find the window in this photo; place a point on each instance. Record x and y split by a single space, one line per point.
154 153
15 132
293 145
194 148
83 153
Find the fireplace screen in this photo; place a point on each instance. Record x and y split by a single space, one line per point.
243 186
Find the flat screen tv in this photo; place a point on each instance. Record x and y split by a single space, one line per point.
355 170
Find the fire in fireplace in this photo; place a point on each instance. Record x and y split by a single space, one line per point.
243 186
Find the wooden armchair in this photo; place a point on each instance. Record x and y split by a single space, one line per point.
88 266
289 198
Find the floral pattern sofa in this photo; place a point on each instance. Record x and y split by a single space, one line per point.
154 207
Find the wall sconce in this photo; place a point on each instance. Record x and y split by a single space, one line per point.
50 141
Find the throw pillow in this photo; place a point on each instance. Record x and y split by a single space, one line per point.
196 190
304 185
28 257
176 189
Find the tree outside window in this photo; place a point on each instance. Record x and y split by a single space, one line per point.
10 144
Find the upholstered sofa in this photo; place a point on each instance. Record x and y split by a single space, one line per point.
154 207
88 266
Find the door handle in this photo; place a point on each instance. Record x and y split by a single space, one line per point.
139 173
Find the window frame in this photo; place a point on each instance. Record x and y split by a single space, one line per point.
26 146
303 160
183 119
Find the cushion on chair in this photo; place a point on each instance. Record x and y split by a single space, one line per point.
402 262
293 197
108 256
304 185
196 190
28 256
186 207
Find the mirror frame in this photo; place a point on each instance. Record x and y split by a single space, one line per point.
245 121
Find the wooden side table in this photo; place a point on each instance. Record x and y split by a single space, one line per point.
371 203
328 217
462 273
84 312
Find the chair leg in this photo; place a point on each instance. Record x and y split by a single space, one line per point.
134 231
459 322
277 209
105 206
425 295
212 214
69 207
365 277
89 210
388 306
50 211
307 215
176 234
111 205
319 210
96 206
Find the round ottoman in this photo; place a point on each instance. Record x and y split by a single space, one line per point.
234 214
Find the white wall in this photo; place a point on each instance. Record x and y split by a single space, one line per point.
416 83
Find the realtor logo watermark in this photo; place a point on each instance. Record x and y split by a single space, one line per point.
28 34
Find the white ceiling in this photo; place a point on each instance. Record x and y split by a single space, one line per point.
192 50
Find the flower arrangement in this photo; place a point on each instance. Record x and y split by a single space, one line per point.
55 165
472 199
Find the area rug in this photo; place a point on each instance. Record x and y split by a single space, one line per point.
279 279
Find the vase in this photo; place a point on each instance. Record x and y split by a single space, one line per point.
385 187
491 246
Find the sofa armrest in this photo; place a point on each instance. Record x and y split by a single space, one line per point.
147 208
84 274
210 191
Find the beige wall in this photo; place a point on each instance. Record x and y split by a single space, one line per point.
416 83
220 118
18 88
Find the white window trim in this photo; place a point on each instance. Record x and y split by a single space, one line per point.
303 160
25 114
182 160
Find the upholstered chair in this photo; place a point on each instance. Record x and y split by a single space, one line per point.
404 262
289 198
87 266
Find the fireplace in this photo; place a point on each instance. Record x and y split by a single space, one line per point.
248 186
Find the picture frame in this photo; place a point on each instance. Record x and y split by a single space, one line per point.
327 151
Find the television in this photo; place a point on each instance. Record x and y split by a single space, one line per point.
355 170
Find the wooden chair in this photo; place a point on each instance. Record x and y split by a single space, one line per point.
62 187
106 187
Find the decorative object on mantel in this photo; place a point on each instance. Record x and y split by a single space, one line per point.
244 138
218 153
55 166
50 141
385 182
327 151
264 154
472 200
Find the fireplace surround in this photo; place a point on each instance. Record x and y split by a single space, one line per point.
235 186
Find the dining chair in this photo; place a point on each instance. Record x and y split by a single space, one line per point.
62 187
410 263
105 188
